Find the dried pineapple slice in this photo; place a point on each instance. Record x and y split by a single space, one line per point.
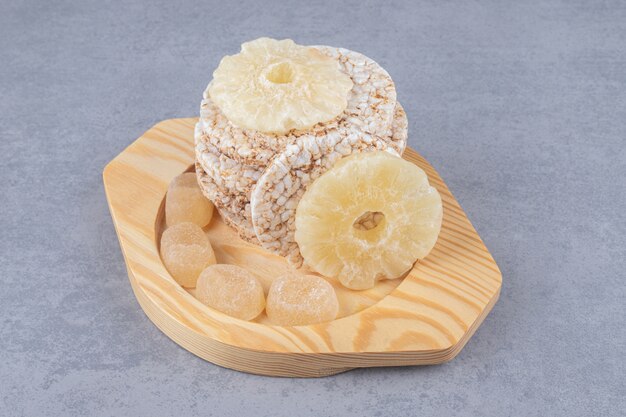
274 199
371 105
243 171
276 86
370 217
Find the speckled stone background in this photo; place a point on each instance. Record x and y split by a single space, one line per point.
521 106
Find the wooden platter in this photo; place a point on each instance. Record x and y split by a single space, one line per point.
424 318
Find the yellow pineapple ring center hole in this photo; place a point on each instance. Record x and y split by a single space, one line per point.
280 73
369 220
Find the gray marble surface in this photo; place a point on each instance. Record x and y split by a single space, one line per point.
521 106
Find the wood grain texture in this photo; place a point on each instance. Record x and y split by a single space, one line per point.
425 318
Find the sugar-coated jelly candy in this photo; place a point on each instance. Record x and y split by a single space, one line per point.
232 290
186 251
295 299
186 203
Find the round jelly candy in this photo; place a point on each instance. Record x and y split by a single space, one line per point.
185 203
231 290
186 251
301 299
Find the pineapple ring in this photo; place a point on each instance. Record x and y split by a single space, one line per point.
371 104
228 184
368 218
275 86
278 191
241 163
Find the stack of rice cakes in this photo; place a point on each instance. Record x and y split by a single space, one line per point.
256 179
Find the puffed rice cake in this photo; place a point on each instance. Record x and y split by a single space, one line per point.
256 179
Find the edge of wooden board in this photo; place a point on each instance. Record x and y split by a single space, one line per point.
135 183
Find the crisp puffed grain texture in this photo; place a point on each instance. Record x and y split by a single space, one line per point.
277 193
256 180
234 214
370 109
229 184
